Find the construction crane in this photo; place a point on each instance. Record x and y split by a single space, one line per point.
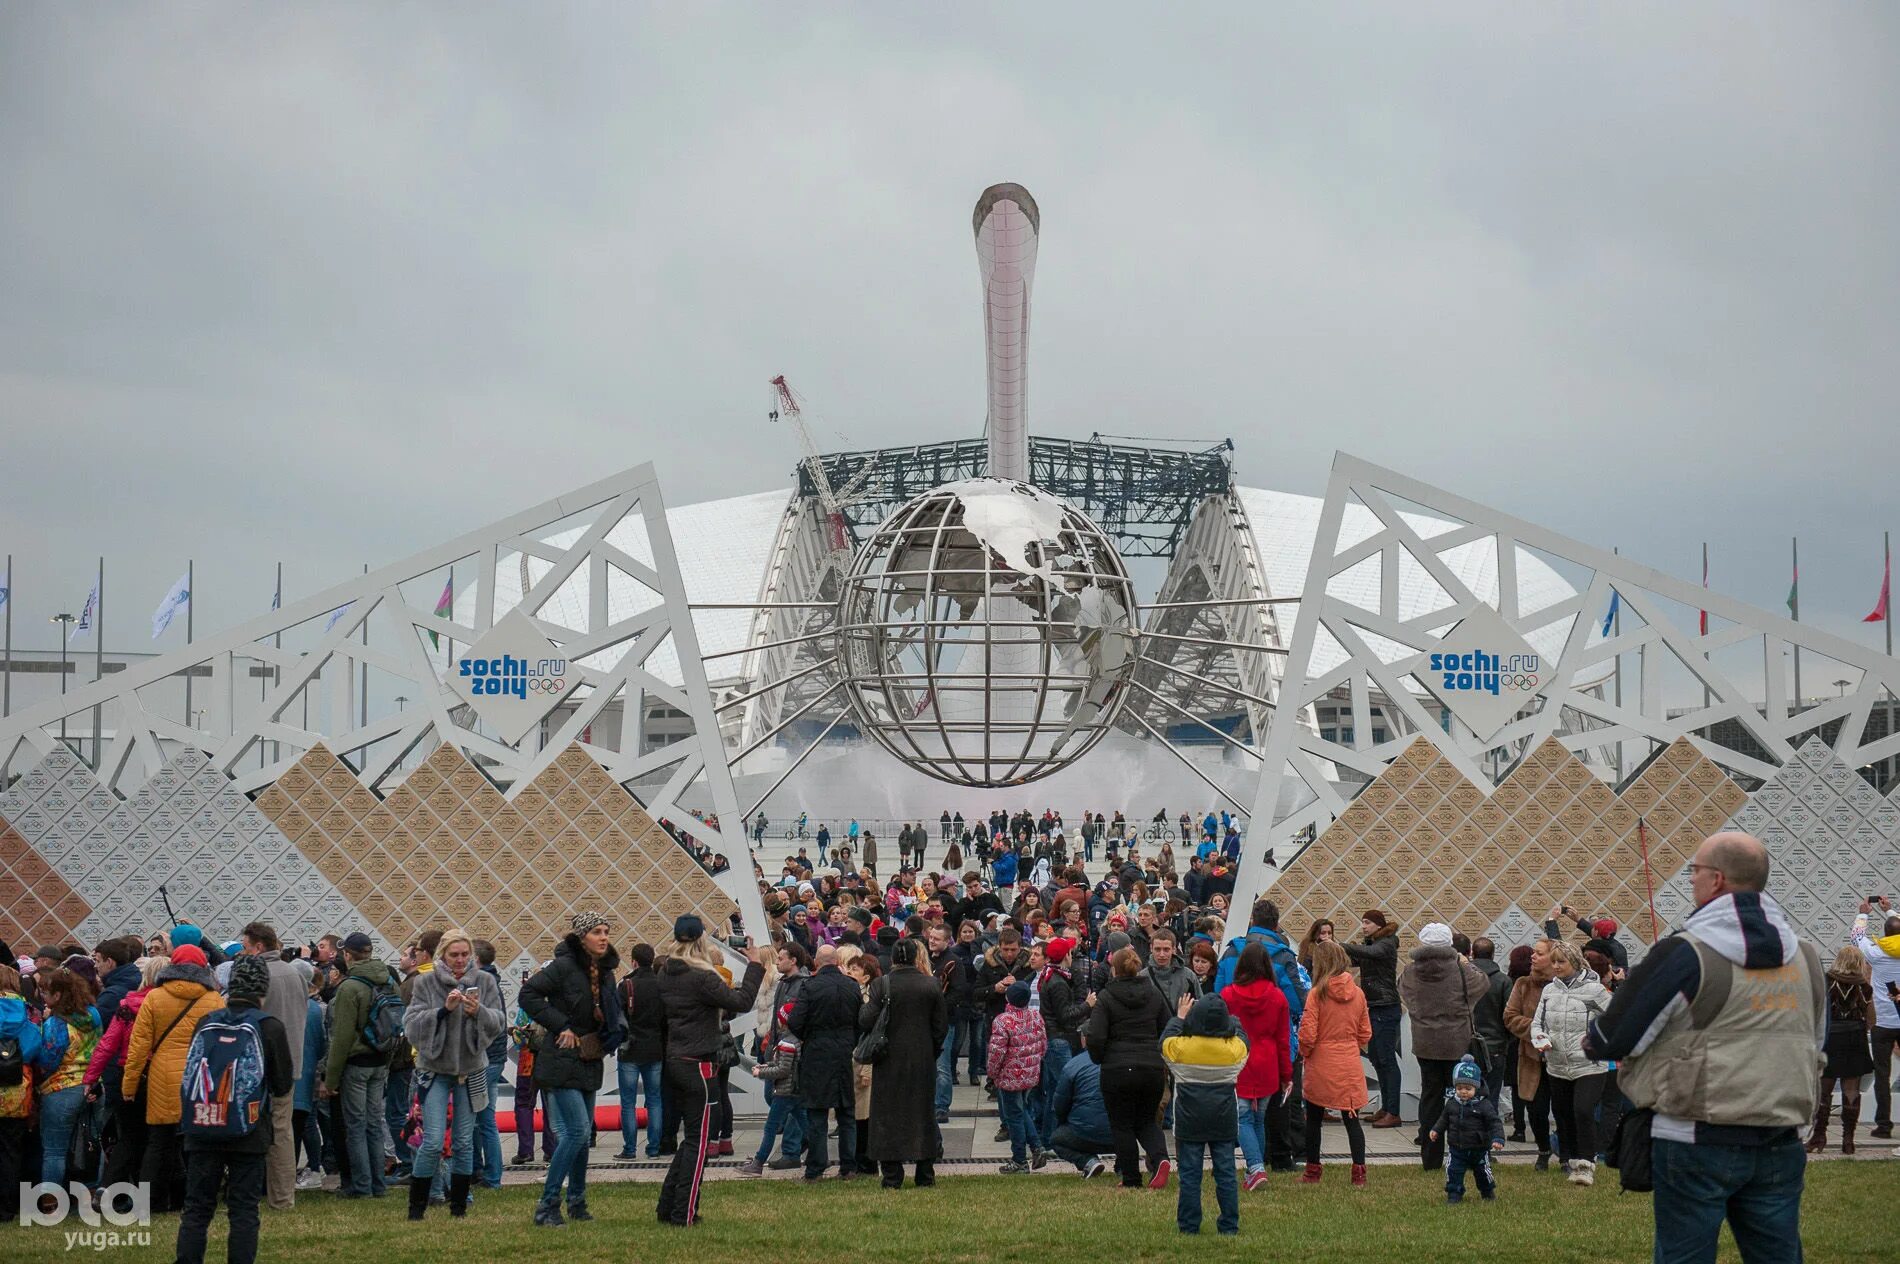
786 406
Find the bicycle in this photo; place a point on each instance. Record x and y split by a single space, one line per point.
1157 834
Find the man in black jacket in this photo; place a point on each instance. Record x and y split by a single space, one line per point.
235 1164
947 966
1377 956
1488 1015
825 1019
642 1059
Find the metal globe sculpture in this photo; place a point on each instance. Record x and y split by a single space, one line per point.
986 633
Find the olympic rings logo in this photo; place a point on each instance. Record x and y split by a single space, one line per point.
1526 681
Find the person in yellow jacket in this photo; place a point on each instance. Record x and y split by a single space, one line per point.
155 1062
1204 1048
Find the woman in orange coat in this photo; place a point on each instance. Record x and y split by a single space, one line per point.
1334 1031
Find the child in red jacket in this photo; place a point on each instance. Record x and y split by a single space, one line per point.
1017 1042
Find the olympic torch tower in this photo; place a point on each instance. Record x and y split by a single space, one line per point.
1007 223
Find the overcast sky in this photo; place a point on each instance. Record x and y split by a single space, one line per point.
329 284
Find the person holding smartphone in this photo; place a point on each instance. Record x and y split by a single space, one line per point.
454 1013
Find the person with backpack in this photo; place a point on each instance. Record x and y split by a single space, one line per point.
237 1066
366 1021
574 999
454 1011
19 1050
1286 1126
1439 989
155 1062
67 1036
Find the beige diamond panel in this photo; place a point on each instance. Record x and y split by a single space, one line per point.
1422 843
36 905
447 849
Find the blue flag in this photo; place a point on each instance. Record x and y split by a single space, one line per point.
1609 617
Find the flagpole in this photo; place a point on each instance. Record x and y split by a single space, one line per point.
363 712
1616 630
6 690
1886 550
1708 699
99 669
1794 606
264 684
191 606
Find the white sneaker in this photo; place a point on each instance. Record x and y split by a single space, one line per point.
309 1178
1583 1172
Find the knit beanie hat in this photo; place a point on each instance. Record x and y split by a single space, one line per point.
1603 927
687 927
250 979
1374 916
1114 942
1018 995
83 966
1057 950
1435 933
189 955
186 933
1467 1072
585 920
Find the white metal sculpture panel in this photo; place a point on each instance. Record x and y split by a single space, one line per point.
384 622
1681 681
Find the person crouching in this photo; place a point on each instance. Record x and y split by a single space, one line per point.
1204 1049
1471 1129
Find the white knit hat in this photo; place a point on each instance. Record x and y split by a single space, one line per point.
1435 933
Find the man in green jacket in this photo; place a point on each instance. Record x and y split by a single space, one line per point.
356 1071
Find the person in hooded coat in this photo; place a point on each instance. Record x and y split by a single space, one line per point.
574 998
1439 990
1260 1007
904 1081
155 1062
1334 1031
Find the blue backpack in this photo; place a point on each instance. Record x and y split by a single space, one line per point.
225 1092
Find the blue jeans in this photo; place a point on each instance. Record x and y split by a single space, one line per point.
396 1097
1478 1162
572 1111
1758 1189
633 1077
1055 1056
364 1132
1019 1118
1253 1133
59 1114
1187 1212
444 1089
490 1156
969 1034
946 1068
783 1114
1383 1053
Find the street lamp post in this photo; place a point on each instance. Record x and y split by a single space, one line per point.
1842 686
65 622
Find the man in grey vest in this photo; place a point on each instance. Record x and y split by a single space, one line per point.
1719 1031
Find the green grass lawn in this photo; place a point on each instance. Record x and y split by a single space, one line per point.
1044 1220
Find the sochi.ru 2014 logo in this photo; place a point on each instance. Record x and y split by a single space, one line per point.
509 677
1479 672
125 1207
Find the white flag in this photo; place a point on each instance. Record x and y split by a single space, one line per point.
337 614
85 616
177 599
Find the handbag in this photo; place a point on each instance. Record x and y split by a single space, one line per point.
875 1043
85 1152
590 1049
1631 1150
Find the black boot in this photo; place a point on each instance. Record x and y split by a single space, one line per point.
577 1211
458 1193
418 1196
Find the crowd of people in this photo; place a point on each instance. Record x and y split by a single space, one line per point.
1099 1014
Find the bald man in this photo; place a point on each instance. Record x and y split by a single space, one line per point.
1719 1032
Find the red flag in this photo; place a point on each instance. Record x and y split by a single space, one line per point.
1886 591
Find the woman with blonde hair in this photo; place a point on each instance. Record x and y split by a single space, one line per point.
699 996
1335 1029
454 1014
1571 1001
1850 1009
